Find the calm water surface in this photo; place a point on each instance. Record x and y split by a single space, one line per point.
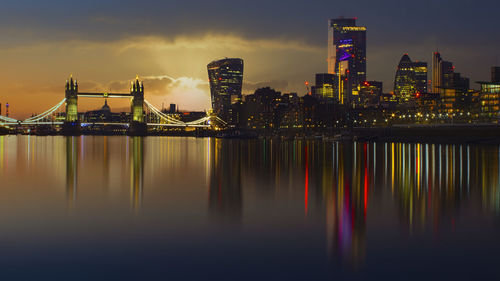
120 208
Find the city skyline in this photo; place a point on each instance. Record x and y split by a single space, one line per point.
105 51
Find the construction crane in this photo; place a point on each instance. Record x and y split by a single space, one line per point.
307 87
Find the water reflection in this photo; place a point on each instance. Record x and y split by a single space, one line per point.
72 145
75 147
428 183
225 195
344 199
136 171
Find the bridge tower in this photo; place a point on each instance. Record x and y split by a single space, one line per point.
71 124
138 126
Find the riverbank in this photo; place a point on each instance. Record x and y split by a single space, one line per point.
461 133
442 133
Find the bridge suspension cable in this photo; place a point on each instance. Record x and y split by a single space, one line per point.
39 117
8 119
172 120
162 115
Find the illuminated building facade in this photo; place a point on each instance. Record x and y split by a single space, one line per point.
442 72
404 83
325 86
490 95
347 55
226 79
370 93
452 87
436 73
410 80
420 76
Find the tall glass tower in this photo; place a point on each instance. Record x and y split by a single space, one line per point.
226 79
411 79
347 54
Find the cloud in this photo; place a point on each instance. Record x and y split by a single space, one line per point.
211 41
188 92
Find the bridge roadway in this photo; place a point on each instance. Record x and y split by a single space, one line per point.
105 124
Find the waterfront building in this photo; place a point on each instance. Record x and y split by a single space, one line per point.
258 109
452 88
346 55
226 79
454 92
490 96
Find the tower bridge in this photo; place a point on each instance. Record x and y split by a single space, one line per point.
142 113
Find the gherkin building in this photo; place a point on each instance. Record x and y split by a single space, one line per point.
404 82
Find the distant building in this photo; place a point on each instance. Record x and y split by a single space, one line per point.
404 83
490 95
325 86
420 76
259 109
410 80
226 79
495 74
173 108
436 73
103 114
370 94
442 73
346 55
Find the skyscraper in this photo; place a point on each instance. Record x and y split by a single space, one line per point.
404 82
411 79
226 79
436 72
347 54
452 88
420 72
442 72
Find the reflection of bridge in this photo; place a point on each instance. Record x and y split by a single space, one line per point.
142 115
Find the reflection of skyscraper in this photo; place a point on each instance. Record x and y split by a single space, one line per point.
347 204
225 200
347 53
226 79
137 169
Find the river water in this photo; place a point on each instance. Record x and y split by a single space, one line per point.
121 208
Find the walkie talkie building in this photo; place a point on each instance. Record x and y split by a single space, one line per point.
226 79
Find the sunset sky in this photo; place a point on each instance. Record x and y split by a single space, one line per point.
105 44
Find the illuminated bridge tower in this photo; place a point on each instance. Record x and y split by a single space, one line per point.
138 126
71 124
